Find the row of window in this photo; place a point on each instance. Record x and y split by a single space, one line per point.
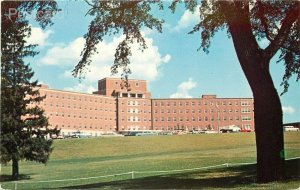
86 99
80 107
136 119
205 111
193 127
110 127
136 103
131 95
193 119
81 116
224 103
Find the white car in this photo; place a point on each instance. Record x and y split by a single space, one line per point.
290 128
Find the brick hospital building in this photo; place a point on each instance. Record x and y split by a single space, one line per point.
113 108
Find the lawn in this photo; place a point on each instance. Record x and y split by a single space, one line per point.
84 158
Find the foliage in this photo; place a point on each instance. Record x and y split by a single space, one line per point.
130 17
270 20
24 126
112 17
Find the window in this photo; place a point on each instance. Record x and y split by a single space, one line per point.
245 110
136 84
246 118
245 103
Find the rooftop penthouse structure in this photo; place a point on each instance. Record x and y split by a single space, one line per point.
114 108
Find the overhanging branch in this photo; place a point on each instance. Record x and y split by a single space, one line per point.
292 15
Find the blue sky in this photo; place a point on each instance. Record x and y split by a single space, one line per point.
171 64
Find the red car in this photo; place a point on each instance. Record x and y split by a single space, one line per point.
245 130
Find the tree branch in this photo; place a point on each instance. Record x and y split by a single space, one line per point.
292 15
263 19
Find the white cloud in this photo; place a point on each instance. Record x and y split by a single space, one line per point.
63 55
288 109
145 64
81 87
188 19
39 36
184 88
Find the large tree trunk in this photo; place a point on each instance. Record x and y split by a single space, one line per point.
268 130
15 169
268 120
267 106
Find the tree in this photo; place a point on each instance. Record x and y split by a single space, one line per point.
247 22
24 127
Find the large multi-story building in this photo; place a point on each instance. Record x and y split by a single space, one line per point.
116 108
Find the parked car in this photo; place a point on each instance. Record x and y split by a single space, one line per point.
146 133
111 134
57 137
197 131
165 133
71 136
245 130
290 128
131 133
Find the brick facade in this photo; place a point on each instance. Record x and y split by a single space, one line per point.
113 108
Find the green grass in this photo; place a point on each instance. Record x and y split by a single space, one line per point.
80 158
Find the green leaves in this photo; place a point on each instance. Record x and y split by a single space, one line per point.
117 17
